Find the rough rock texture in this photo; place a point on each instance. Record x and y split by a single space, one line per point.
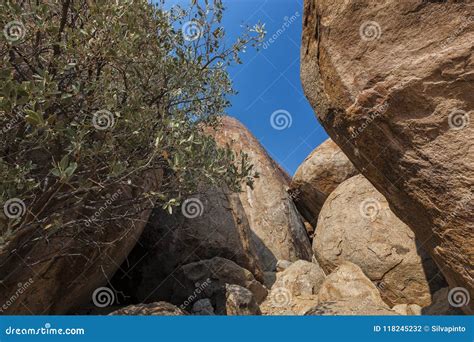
407 309
441 305
357 225
295 289
392 84
348 282
152 309
278 230
208 279
350 307
218 228
319 174
240 301
301 278
64 268
280 302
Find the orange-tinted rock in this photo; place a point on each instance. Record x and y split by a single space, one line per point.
278 230
392 84
319 174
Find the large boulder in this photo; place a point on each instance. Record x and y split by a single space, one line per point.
57 272
295 289
278 230
210 279
301 278
319 174
392 84
348 282
151 309
357 225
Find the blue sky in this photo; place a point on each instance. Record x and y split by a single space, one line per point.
269 81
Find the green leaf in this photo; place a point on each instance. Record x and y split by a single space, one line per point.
34 118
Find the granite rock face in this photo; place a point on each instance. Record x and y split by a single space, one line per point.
357 225
278 230
392 84
319 174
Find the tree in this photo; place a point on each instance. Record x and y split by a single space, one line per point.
95 94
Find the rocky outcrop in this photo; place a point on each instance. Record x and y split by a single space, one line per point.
394 91
254 228
240 301
348 282
295 289
218 227
350 307
278 231
56 272
319 174
208 279
357 225
152 309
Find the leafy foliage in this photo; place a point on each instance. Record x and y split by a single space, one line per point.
93 94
